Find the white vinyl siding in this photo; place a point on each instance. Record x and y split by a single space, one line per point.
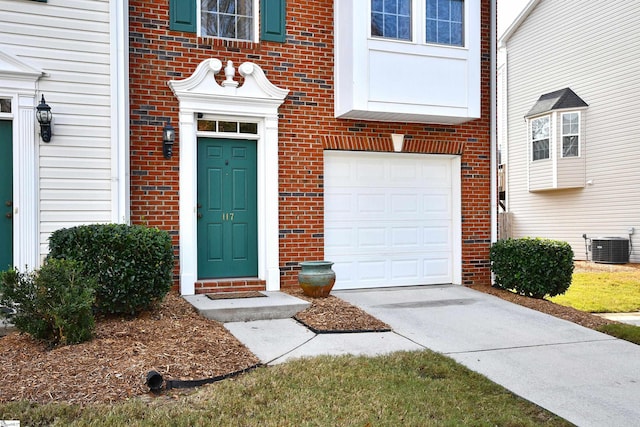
70 41
604 41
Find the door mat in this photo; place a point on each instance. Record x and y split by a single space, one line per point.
235 295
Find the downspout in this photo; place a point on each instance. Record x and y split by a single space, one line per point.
493 139
120 200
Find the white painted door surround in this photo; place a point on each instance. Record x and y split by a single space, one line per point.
256 100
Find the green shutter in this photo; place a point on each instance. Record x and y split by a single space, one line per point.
182 15
272 20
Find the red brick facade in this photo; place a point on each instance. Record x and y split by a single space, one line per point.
304 66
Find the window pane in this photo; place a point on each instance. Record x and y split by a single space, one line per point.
404 7
377 22
570 123
207 125
391 19
209 5
244 28
391 7
227 27
541 149
404 28
228 127
249 128
5 105
227 6
390 26
570 146
209 24
540 128
444 32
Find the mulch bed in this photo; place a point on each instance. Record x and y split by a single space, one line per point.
333 315
173 340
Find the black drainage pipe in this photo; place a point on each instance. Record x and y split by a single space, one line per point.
155 380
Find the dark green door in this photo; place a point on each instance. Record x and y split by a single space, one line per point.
6 196
227 208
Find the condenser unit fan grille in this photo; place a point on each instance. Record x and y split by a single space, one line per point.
610 250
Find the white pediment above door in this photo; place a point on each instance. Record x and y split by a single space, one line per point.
14 68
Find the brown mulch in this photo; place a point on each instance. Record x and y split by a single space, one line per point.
333 315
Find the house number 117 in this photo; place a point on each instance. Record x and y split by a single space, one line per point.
228 216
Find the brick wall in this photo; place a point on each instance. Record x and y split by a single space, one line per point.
304 65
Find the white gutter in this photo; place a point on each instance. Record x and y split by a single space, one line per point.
494 150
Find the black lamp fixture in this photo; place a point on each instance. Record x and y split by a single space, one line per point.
168 137
43 114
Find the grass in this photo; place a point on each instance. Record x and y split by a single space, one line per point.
629 333
606 292
603 292
407 388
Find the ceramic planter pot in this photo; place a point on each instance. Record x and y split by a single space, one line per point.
316 278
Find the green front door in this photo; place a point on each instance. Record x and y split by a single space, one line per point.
6 196
227 208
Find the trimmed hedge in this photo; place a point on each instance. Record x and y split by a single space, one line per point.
532 266
132 265
53 304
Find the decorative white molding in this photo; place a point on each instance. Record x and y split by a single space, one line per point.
398 141
257 99
13 68
18 79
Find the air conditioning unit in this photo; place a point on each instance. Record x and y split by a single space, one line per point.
610 250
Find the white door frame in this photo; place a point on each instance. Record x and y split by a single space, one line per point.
256 100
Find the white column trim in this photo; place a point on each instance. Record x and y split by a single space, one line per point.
18 79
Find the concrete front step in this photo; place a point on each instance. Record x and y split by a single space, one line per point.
274 305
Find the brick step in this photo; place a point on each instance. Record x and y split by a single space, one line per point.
236 284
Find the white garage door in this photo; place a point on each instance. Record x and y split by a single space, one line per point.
392 219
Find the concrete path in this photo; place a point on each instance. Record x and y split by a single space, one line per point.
586 377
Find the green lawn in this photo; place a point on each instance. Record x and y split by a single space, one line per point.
402 389
603 292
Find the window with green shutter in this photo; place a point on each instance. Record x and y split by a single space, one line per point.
230 19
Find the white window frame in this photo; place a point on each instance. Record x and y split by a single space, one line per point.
255 29
576 134
549 138
419 26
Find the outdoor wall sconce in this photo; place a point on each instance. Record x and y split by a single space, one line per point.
43 114
168 137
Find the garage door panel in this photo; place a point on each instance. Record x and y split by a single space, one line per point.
338 203
389 218
372 238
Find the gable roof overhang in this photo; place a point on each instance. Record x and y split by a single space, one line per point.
558 100
517 22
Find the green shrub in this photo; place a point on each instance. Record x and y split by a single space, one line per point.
132 265
532 267
53 304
